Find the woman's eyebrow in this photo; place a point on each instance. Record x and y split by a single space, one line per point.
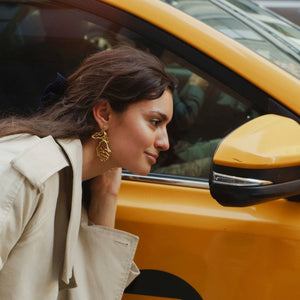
163 116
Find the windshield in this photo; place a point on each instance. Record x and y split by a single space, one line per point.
254 27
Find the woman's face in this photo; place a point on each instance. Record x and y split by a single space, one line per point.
137 135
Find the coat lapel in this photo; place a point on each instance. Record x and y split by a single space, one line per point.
45 158
73 150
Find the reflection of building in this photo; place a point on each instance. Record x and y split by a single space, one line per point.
252 26
288 9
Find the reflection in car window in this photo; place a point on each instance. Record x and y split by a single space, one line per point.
204 112
250 25
289 30
42 40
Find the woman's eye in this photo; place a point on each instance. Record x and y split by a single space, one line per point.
155 122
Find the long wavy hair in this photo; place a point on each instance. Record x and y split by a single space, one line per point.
122 76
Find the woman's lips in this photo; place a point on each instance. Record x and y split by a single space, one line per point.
152 157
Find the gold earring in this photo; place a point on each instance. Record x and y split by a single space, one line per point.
102 150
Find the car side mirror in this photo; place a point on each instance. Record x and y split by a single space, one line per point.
257 162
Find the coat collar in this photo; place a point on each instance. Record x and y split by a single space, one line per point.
40 161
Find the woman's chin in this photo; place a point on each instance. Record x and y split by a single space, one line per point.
141 172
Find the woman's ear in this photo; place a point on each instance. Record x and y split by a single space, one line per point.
101 112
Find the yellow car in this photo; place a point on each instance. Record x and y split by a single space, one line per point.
219 214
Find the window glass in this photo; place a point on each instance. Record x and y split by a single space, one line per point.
38 41
204 112
6 13
250 25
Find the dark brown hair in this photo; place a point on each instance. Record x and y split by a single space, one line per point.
122 76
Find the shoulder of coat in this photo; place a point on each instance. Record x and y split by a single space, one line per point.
38 158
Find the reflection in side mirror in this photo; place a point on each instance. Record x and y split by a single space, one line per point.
258 162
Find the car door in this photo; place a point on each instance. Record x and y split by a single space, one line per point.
190 246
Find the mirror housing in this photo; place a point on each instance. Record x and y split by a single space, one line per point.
257 162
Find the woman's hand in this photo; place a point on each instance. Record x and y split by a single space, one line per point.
104 191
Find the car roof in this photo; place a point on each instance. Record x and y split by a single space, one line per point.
270 78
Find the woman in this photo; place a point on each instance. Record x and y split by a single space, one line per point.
110 114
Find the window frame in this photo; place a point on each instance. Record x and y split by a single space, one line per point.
188 53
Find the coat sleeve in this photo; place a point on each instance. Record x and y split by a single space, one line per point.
18 200
104 262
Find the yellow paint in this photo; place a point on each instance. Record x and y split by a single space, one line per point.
224 253
270 78
269 141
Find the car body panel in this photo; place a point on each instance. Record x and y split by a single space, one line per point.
238 250
229 253
270 78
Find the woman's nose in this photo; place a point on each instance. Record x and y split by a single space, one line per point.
162 140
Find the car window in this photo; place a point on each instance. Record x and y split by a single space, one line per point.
204 112
40 40
243 21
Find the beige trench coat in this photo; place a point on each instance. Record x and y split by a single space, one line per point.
48 250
